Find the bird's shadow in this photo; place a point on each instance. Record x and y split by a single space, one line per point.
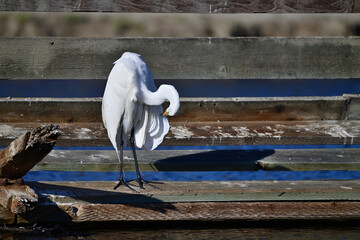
82 195
215 160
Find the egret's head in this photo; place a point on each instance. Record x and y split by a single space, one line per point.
173 96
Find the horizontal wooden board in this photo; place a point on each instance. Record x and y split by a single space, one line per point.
183 58
196 191
312 160
245 200
76 110
187 6
197 211
159 160
204 160
210 133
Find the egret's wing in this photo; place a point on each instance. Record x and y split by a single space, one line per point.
151 128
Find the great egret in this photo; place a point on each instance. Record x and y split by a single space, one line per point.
131 108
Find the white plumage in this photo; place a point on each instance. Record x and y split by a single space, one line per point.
132 108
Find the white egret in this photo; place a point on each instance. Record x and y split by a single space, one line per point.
131 109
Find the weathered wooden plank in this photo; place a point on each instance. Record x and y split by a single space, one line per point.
197 191
356 6
26 151
159 160
203 160
312 159
74 110
209 211
211 133
6 216
183 58
246 200
187 6
18 198
352 105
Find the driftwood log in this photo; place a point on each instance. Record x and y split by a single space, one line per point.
16 160
26 151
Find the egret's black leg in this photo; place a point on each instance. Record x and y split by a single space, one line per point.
132 143
121 160
140 180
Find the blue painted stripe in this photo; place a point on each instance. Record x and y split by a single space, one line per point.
188 87
195 176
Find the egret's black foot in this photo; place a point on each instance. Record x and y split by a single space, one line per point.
141 183
126 184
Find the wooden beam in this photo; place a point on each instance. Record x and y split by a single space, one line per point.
159 160
197 191
183 58
209 211
187 6
352 106
312 160
211 133
245 200
76 110
204 160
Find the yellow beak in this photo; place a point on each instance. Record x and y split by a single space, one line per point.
166 113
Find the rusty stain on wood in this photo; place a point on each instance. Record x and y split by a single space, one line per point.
73 110
187 6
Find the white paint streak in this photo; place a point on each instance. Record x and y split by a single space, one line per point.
83 133
10 132
205 128
181 132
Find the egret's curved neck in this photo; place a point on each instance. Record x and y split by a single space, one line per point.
154 98
165 92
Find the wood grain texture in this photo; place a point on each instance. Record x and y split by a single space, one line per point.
94 192
312 160
159 160
26 151
77 110
210 211
356 6
245 200
187 6
211 133
204 160
183 58
18 198
6 216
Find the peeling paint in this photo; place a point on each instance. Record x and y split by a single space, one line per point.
181 132
83 133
